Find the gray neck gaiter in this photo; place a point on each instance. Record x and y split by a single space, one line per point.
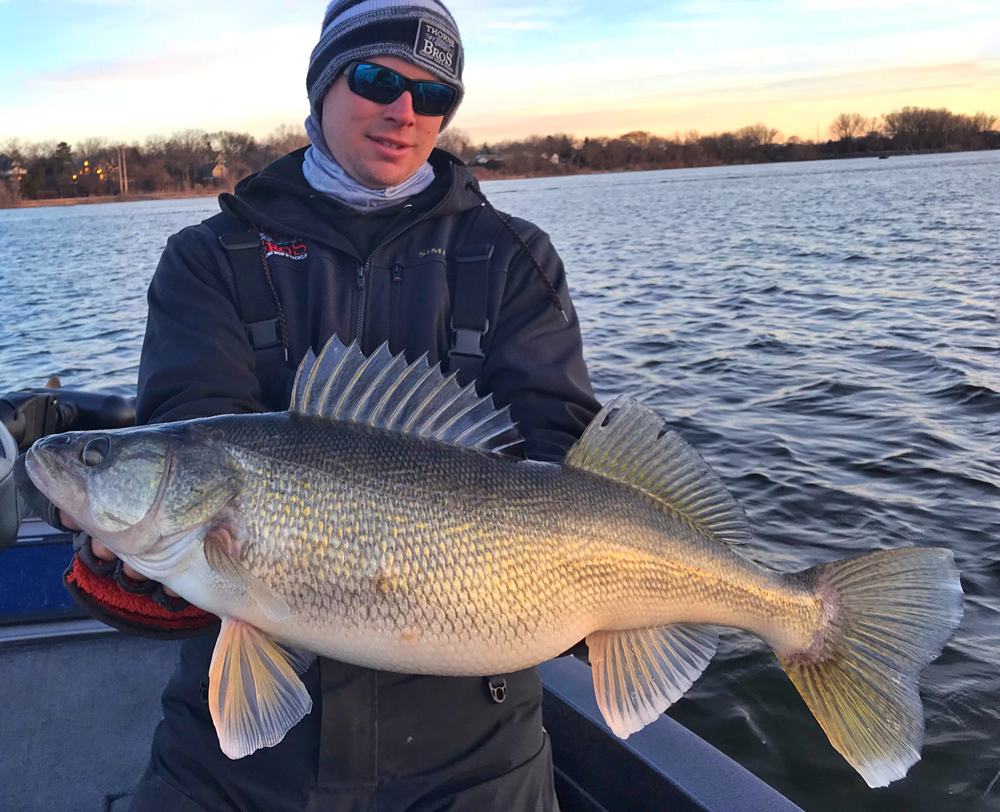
327 177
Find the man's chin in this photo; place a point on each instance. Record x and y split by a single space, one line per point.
382 174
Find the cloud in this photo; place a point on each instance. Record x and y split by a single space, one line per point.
794 105
112 67
99 71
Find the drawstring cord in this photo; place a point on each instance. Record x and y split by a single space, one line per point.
553 293
282 324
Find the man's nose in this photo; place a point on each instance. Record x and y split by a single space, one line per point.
401 110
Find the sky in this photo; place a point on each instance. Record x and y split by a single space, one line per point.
129 69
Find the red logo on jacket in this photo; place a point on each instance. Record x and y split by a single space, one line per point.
292 247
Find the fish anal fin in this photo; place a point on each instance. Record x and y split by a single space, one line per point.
631 444
384 391
254 694
639 673
222 558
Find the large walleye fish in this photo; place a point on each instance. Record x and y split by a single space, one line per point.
375 523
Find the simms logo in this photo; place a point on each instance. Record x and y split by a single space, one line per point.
429 251
438 46
293 247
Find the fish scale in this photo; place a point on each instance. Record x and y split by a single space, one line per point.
378 522
413 529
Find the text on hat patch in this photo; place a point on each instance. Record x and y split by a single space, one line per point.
437 45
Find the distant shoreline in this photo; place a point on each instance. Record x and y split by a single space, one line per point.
84 201
481 174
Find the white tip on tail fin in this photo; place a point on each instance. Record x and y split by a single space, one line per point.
254 694
639 673
892 613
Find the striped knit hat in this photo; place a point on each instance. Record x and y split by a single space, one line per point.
422 32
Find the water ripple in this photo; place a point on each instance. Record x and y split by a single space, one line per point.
825 334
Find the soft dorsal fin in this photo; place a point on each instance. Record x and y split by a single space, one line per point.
383 390
630 443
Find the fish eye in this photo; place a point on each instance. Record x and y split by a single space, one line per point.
96 451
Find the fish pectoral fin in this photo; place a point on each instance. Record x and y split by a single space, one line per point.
254 694
639 673
225 564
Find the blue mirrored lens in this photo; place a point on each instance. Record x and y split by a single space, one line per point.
384 86
432 98
378 84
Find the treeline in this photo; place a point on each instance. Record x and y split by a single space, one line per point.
189 162
196 162
911 129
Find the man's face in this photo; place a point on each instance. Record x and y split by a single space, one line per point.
379 145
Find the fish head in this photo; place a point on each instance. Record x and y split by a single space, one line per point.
134 488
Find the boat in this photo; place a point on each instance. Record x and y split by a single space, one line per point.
81 700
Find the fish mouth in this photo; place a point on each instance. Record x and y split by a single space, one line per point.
57 482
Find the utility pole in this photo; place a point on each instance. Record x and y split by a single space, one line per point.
122 170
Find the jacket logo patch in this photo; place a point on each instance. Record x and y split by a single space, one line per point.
291 247
438 46
431 252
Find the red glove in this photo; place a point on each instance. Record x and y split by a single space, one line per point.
141 608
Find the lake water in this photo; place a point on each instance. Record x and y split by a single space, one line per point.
824 333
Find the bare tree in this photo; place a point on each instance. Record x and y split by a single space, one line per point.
757 135
287 138
457 142
849 126
13 148
983 121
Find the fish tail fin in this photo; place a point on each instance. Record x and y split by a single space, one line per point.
885 617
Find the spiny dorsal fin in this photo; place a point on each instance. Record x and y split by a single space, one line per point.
630 443
386 392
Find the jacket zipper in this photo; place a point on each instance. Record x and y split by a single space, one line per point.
396 295
363 269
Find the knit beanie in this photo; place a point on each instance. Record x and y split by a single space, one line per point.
422 32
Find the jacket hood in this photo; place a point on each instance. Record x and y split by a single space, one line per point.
280 199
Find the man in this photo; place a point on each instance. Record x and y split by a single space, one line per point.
373 235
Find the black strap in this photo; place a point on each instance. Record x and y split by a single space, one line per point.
470 312
256 301
258 308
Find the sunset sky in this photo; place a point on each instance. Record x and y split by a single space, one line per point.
126 69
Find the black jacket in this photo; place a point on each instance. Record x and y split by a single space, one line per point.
197 360
374 739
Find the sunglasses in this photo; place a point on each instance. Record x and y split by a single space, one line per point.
383 86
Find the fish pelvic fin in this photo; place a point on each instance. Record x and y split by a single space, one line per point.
639 673
888 615
254 693
630 443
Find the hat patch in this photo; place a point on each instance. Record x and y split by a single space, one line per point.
438 46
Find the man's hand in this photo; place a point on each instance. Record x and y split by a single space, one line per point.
103 553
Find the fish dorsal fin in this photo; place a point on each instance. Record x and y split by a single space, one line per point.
630 443
382 390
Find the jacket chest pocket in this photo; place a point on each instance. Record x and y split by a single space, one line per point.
420 304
